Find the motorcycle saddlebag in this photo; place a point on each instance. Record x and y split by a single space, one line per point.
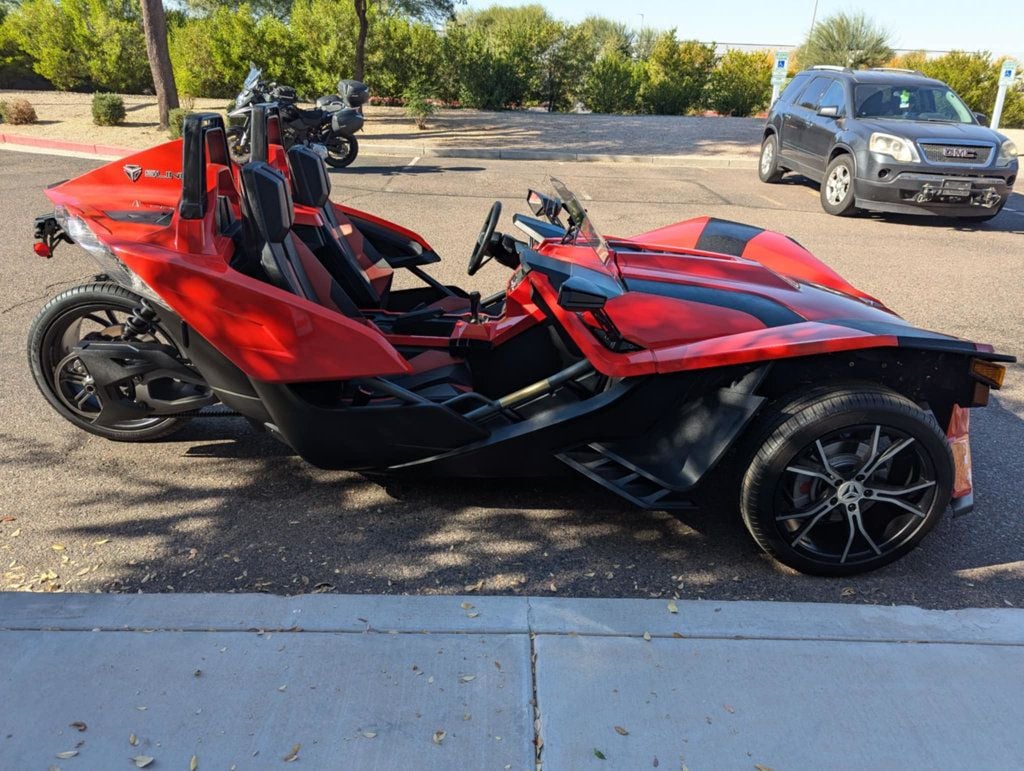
347 121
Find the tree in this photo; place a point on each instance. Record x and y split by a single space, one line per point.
427 10
741 83
846 40
611 84
676 75
154 26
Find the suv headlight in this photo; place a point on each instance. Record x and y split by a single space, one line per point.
1007 153
897 148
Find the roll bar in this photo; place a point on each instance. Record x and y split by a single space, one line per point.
203 140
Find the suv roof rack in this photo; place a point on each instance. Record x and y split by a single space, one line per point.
897 69
834 67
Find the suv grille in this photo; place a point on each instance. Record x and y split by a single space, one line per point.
968 155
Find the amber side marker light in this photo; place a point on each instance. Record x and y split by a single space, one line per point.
988 372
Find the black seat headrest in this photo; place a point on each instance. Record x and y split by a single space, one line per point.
270 204
203 142
310 183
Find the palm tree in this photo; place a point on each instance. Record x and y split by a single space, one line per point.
846 40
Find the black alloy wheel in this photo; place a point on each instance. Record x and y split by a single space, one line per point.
846 481
90 312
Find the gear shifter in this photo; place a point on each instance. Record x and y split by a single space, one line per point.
474 307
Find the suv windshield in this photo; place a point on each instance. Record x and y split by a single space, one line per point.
923 102
582 228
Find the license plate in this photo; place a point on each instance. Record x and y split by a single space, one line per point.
956 187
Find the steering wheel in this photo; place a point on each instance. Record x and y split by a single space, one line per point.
479 257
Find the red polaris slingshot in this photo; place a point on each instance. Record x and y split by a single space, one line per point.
704 353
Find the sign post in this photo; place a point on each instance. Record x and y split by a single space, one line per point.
1007 73
779 73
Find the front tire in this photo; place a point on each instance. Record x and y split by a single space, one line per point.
97 311
342 149
845 480
768 168
837 195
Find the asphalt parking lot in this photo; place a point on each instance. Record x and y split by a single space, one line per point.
222 508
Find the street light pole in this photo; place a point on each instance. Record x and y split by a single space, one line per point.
814 14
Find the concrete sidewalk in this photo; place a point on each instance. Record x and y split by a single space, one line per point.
329 681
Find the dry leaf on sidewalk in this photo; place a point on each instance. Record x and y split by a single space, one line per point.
79 726
647 636
193 764
672 607
621 731
141 761
67 754
439 736
293 754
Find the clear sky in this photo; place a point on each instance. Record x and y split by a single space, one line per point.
938 25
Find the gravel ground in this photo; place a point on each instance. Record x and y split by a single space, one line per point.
67 116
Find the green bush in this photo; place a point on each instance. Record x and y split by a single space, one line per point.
418 105
18 113
611 85
175 120
741 83
676 75
84 43
107 109
211 54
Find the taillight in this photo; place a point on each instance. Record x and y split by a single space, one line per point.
43 250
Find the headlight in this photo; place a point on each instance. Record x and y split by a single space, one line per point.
1007 153
80 232
897 148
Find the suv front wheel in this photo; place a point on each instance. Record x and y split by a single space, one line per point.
768 168
837 187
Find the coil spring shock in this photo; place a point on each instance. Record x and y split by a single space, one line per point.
140 322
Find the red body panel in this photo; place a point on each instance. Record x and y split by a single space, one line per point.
686 307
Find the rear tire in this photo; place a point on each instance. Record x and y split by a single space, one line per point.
342 149
837 195
810 496
768 168
53 333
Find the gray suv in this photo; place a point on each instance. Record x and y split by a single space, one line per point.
887 140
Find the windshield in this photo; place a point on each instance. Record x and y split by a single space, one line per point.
925 102
583 228
252 78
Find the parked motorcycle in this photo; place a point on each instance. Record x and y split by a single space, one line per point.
328 129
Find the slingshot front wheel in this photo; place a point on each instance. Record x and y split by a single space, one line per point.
846 480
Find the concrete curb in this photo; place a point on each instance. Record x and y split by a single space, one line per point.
697 619
101 151
88 148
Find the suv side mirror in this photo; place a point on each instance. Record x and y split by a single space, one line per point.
829 111
982 118
578 295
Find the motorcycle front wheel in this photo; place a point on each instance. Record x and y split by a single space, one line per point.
342 149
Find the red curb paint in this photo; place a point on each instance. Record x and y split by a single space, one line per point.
59 144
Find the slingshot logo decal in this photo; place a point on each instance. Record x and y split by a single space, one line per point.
133 171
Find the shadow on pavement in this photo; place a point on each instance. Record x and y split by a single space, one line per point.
225 509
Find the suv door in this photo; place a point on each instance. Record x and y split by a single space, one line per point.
798 121
820 133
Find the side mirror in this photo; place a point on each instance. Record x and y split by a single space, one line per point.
982 118
541 204
829 111
578 295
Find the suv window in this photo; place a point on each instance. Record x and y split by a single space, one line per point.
814 92
834 97
914 102
795 87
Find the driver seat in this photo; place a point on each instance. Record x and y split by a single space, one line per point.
350 259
